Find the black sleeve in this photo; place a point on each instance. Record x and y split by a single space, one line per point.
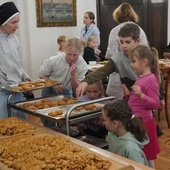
89 55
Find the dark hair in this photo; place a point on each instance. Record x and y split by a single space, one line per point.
130 30
151 54
124 13
91 16
120 110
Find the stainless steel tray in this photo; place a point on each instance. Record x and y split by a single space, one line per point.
46 103
65 108
41 83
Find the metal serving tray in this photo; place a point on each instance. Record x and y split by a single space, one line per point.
18 89
42 107
65 109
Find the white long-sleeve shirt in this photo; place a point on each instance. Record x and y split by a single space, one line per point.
57 68
11 69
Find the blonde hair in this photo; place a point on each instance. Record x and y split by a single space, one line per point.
90 39
61 38
124 13
151 54
73 42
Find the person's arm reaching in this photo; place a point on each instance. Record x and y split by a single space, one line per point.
95 76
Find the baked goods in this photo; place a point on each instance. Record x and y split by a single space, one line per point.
16 89
99 107
48 152
163 65
89 107
46 103
79 108
55 113
13 125
26 86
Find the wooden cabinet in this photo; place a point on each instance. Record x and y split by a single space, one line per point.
153 20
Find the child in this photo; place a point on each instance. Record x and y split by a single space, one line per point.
61 42
93 127
89 50
144 96
120 62
67 67
127 135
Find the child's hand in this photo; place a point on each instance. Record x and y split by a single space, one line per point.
98 51
73 69
59 88
81 89
98 122
137 90
98 59
162 105
126 90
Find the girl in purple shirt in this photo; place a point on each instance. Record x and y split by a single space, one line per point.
144 96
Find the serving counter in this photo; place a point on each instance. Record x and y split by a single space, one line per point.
25 145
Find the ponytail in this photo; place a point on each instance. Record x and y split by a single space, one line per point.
136 127
121 111
155 65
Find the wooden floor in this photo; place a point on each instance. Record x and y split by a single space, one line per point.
163 160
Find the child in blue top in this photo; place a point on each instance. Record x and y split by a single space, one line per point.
127 134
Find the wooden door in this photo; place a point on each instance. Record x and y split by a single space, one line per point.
150 15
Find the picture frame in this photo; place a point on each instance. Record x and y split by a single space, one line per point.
56 13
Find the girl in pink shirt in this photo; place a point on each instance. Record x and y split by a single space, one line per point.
144 96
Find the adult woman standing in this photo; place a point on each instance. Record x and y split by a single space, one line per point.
11 70
123 14
89 29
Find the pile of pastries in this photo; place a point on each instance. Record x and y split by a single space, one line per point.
13 125
48 152
163 65
26 86
55 113
89 107
47 103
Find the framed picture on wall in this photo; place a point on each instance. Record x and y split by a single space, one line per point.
56 13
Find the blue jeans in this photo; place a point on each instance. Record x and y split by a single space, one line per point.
49 91
17 97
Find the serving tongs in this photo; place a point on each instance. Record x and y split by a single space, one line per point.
4 85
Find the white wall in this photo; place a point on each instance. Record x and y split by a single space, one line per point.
39 43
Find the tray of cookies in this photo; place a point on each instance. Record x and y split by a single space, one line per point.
60 112
44 103
14 126
33 85
52 150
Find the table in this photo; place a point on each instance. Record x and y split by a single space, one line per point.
118 162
